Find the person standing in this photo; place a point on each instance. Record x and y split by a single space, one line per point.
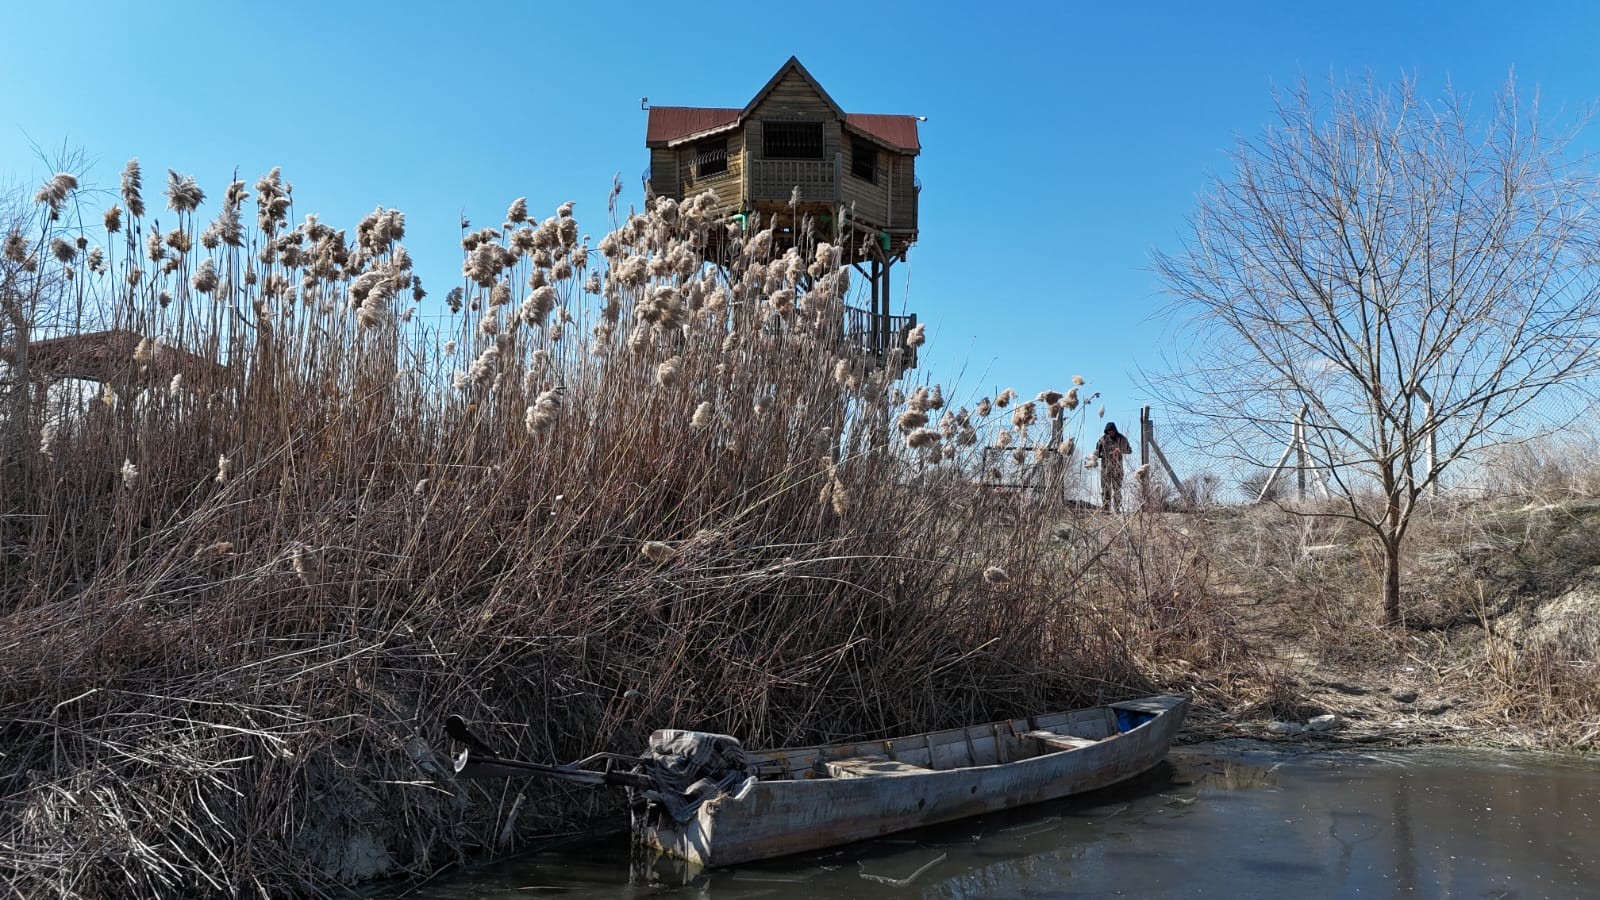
1108 454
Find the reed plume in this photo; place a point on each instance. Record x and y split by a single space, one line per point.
53 193
657 552
183 193
131 183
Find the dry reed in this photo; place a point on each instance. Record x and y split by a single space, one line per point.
238 594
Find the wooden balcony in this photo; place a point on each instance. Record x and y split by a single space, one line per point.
776 179
887 204
870 335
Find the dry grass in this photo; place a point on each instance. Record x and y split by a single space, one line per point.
1501 608
615 489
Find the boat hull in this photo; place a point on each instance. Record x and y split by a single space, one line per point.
766 819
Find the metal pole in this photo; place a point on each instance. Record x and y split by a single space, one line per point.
1272 478
1161 458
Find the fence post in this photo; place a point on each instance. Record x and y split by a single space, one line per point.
1433 438
1144 436
1300 451
1295 442
1058 463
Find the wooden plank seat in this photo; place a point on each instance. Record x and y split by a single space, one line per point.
869 766
1059 741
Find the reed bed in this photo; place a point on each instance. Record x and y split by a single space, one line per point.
598 487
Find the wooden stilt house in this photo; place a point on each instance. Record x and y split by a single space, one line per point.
854 176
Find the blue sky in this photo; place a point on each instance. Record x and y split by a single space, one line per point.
1064 142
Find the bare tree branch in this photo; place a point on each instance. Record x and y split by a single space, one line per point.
1414 275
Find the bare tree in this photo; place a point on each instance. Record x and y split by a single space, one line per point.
1412 274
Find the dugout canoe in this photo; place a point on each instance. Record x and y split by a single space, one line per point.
809 798
704 799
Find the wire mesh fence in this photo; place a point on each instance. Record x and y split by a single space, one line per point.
1549 445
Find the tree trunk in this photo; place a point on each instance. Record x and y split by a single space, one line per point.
1391 579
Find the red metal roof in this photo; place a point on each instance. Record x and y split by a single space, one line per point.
671 123
899 132
668 123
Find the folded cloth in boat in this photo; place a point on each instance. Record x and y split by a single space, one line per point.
690 767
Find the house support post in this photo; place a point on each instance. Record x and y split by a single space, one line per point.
883 314
873 344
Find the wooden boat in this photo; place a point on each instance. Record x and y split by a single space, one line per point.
807 798
812 797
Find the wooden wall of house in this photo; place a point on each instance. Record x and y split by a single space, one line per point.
903 195
870 199
888 202
729 185
794 100
664 171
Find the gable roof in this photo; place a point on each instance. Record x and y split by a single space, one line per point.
793 65
670 125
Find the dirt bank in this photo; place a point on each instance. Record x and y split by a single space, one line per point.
1499 646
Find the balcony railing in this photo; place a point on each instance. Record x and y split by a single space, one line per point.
776 179
866 333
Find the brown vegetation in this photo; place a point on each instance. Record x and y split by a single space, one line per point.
616 489
1500 641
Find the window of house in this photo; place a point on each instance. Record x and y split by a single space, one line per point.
864 161
711 157
791 140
